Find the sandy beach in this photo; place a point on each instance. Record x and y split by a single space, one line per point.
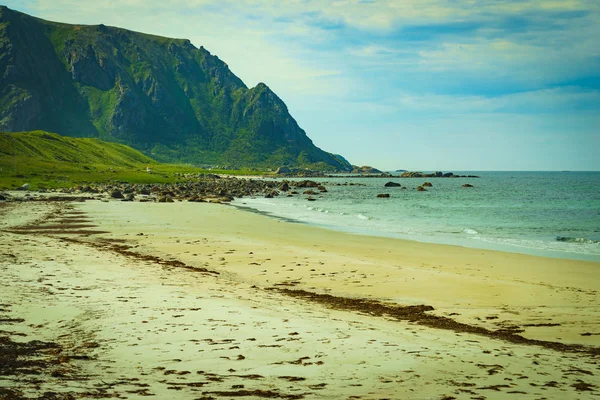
199 301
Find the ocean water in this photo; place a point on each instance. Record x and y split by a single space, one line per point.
553 214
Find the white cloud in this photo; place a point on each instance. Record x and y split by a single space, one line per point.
556 100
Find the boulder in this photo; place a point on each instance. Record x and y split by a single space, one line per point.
392 184
283 170
116 194
307 184
165 199
467 185
421 189
310 192
284 187
322 189
427 184
383 195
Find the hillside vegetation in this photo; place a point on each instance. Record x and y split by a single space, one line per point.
48 160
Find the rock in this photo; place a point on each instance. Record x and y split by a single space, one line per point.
283 170
284 187
165 199
311 198
467 185
421 189
365 169
116 194
24 187
404 188
268 196
427 184
383 195
392 184
310 192
2 197
307 184
447 175
322 189
409 174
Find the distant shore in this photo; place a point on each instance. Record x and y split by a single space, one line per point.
194 299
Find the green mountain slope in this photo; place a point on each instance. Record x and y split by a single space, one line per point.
44 148
162 96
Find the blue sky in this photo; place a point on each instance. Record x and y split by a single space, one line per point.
421 85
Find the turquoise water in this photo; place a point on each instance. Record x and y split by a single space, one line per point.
555 214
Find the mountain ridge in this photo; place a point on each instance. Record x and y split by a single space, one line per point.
161 95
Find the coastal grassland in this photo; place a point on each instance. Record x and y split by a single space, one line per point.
48 160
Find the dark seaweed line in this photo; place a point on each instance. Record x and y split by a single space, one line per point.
123 250
417 314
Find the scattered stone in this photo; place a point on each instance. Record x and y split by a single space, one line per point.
392 184
421 189
467 185
116 194
383 195
427 184
307 184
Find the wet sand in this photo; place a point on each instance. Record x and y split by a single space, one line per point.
196 300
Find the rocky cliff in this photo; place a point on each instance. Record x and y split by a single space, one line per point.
164 96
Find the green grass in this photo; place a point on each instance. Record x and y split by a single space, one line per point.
47 160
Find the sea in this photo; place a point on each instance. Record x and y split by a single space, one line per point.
552 214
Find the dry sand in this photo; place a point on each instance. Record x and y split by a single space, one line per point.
195 300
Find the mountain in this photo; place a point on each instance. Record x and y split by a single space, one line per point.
163 96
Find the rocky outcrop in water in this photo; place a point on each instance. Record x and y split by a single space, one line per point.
437 174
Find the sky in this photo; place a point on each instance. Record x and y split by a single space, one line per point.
423 85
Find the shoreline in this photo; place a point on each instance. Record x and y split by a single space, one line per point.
150 298
466 242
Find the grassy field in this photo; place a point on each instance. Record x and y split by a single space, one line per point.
46 160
